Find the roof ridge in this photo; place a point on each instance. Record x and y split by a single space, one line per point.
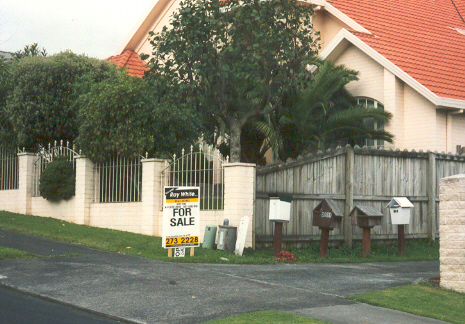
458 11
128 57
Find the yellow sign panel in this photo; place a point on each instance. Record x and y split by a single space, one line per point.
181 241
173 201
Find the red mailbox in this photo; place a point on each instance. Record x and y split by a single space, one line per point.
327 216
366 217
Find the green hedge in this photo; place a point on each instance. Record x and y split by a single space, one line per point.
58 180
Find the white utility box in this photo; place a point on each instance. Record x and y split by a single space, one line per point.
280 209
399 209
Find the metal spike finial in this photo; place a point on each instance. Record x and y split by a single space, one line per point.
61 143
200 148
182 152
192 148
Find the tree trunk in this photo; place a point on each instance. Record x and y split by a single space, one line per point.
235 141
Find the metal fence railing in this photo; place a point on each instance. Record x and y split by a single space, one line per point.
9 170
204 169
47 155
118 180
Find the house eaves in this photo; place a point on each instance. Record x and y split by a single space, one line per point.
344 38
352 24
151 18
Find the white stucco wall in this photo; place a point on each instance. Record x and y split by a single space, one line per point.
371 74
458 131
327 25
420 123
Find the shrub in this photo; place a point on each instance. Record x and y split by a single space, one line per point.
58 180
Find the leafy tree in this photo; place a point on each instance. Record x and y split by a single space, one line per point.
41 101
6 137
30 50
124 115
235 60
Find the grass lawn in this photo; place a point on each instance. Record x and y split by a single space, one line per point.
151 246
271 317
7 253
422 299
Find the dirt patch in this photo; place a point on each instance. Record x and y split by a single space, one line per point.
434 281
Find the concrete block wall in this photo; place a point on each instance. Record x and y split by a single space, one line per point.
452 232
144 217
239 196
9 200
63 209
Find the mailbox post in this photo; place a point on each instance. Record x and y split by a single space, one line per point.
327 216
366 217
399 210
280 212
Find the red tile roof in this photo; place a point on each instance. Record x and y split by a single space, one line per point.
424 38
130 60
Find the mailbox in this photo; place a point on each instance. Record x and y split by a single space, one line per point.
280 208
365 216
327 215
399 209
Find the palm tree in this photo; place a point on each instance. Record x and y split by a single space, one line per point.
320 115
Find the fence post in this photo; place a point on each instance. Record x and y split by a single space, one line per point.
349 193
452 232
152 195
431 192
26 178
84 189
239 196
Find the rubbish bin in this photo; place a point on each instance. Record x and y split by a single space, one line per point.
209 238
227 238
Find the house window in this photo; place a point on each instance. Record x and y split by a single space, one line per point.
371 122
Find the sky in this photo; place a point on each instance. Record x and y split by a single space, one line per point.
92 27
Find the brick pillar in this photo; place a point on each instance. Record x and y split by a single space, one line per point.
152 195
26 179
239 196
452 232
84 189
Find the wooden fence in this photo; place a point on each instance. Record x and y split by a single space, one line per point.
353 176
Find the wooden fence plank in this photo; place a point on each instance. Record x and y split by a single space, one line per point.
354 175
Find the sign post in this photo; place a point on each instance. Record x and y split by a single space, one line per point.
181 218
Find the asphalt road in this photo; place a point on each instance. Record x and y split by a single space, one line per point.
20 308
148 291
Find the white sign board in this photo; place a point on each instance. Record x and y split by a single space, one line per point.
181 217
179 252
242 235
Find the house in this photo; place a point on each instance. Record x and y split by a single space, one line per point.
6 56
131 62
410 55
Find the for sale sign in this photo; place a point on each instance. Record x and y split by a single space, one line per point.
181 217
